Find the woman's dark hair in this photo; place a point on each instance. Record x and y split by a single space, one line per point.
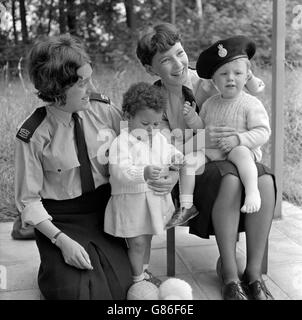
141 96
158 38
52 65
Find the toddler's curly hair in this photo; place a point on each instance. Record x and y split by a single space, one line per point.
143 95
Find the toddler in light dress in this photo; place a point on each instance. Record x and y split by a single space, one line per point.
140 153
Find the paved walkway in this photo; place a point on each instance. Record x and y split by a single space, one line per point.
195 261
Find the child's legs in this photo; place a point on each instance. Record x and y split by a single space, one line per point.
193 162
243 159
148 249
136 252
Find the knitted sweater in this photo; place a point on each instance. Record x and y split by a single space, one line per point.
128 157
173 119
245 113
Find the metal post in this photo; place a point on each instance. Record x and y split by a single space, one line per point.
278 56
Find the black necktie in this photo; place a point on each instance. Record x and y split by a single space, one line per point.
87 182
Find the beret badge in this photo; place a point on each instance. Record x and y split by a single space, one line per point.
222 52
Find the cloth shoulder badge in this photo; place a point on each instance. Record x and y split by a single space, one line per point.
31 124
99 97
222 52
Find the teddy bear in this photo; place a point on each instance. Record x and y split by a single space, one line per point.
170 289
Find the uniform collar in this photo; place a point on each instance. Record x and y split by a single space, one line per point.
60 115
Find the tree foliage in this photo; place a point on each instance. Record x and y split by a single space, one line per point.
110 27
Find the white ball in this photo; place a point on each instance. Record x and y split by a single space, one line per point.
143 290
172 297
175 289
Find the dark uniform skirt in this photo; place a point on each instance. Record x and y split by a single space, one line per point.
206 191
82 220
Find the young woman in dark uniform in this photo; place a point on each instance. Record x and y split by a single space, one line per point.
61 180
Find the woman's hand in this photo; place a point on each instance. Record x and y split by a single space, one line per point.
164 185
73 253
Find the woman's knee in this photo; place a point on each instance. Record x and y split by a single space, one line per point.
267 187
231 184
229 195
266 181
60 281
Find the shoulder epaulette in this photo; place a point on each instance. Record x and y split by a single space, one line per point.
99 97
31 124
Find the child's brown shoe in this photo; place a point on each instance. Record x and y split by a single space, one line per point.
181 216
151 278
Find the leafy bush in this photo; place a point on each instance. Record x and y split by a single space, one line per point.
103 25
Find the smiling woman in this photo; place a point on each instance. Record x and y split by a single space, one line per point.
218 191
171 65
60 187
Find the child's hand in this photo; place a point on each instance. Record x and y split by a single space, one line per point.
189 111
152 172
164 185
177 161
227 144
254 84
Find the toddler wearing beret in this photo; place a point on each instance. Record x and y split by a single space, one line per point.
227 63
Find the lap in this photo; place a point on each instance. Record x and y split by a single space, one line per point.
109 279
206 190
111 274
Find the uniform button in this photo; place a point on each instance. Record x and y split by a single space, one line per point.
59 170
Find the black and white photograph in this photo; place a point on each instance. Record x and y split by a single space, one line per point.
151 151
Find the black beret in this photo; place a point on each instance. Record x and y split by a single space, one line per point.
222 52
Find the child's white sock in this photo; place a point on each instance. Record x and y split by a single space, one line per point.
186 200
138 278
145 267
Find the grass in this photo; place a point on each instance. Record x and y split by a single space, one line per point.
292 123
16 104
